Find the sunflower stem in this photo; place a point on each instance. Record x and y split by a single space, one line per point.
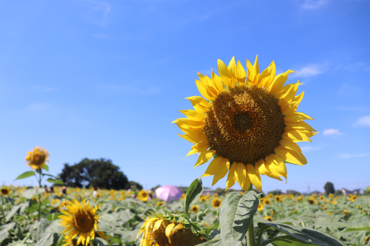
39 179
251 241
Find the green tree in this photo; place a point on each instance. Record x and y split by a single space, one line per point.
133 185
329 188
100 173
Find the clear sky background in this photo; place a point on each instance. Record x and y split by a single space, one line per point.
105 79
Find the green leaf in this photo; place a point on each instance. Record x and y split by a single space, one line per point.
46 174
45 167
302 234
48 239
54 181
288 240
32 192
25 175
100 242
4 231
37 230
236 214
53 216
365 228
13 211
195 190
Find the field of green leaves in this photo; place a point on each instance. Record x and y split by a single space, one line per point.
346 218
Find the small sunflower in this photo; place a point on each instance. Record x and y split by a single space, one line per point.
247 122
278 198
312 201
4 191
160 203
80 220
269 218
260 207
143 195
159 231
194 208
266 201
37 158
216 202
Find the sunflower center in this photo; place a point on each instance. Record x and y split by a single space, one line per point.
244 124
84 221
38 159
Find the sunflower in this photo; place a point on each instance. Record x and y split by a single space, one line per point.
269 218
160 203
37 158
143 195
194 209
266 201
4 191
80 220
166 232
312 201
247 122
216 202
278 198
260 207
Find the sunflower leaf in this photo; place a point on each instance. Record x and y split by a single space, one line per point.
25 175
46 168
32 192
54 181
194 192
236 214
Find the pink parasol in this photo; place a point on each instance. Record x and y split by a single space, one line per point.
168 193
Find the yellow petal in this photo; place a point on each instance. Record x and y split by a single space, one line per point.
276 166
223 167
224 73
193 138
204 157
177 228
199 103
168 231
264 170
157 225
199 147
290 155
271 78
231 176
288 92
241 174
299 125
193 114
213 167
278 82
253 72
296 117
217 81
204 90
254 176
298 136
240 73
186 122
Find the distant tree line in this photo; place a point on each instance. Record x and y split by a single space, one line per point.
100 173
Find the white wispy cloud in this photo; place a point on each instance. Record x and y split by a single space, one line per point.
310 70
313 4
332 132
346 156
98 14
363 121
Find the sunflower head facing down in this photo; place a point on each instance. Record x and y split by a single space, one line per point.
247 122
80 220
161 230
37 158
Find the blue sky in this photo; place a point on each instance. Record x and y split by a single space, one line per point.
105 79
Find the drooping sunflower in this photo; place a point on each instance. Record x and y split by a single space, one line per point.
248 122
4 191
80 220
37 158
159 231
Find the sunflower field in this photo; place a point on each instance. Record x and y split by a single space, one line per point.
121 217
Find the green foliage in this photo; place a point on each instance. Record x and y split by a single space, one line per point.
26 175
133 185
338 193
329 188
193 194
100 173
275 192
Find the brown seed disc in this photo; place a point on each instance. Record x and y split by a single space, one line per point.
244 124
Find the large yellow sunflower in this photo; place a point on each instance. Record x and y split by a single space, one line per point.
37 158
248 122
80 220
